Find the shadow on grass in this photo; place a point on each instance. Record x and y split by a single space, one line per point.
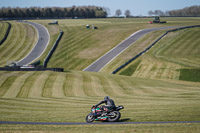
124 120
121 120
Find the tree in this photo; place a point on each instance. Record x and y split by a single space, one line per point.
53 12
100 14
159 13
10 13
151 13
118 12
107 10
127 13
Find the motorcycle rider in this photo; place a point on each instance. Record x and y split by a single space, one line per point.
110 104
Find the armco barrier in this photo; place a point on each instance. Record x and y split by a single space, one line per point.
46 60
138 55
39 68
6 35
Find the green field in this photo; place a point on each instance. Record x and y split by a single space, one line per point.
68 97
30 94
153 92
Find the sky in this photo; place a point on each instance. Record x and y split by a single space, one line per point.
136 7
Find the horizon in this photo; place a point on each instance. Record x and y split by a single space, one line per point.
133 5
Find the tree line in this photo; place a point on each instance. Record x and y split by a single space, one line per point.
192 11
53 12
127 13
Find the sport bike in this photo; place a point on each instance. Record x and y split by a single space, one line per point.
98 114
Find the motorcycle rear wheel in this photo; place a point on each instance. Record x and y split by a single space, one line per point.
89 118
114 116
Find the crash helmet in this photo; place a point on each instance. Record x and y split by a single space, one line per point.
106 98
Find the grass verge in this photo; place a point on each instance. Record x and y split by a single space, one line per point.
190 75
140 128
131 69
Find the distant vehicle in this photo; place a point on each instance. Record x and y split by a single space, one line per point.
91 27
157 20
54 22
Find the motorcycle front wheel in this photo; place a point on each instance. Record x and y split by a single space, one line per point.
89 118
114 116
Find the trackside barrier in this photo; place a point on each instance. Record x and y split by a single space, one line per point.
37 63
6 35
46 60
141 53
39 68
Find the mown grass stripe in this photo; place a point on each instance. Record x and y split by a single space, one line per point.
68 86
17 85
117 88
21 39
23 93
97 87
48 85
3 78
181 46
7 84
3 29
78 85
73 46
38 86
28 43
107 86
10 45
87 85
57 89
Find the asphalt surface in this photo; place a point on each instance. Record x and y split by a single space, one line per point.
113 53
40 46
94 123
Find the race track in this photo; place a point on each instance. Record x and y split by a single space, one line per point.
94 123
113 53
40 46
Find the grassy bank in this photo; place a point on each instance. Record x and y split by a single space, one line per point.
176 51
68 97
3 28
20 41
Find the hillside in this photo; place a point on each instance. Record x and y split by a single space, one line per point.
151 93
48 96
79 46
175 52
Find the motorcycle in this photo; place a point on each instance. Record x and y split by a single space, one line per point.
98 114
